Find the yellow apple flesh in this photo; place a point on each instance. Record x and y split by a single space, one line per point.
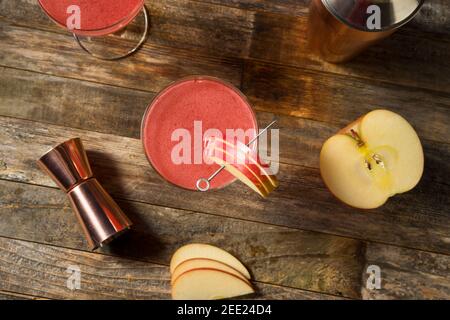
206 251
209 284
374 158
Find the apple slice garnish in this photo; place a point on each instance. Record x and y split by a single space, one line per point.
251 158
206 251
240 162
201 263
372 159
244 172
209 284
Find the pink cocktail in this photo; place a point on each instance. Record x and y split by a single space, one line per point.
182 115
97 17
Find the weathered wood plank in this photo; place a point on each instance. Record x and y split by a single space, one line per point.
118 111
418 219
434 16
42 214
414 58
200 27
72 103
341 100
421 213
271 88
287 7
151 70
283 256
42 270
111 109
408 274
5 295
32 268
406 58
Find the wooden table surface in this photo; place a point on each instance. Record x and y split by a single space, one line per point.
300 243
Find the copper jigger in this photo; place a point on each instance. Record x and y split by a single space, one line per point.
100 217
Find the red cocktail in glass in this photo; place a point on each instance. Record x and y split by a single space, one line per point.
177 124
95 18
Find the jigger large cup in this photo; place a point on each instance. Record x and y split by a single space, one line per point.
100 217
338 30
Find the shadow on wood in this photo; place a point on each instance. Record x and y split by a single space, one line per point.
139 242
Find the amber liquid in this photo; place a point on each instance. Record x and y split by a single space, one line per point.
333 40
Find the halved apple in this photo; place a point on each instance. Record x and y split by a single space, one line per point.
194 264
242 162
209 284
206 251
372 159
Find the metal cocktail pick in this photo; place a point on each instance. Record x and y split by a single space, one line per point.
206 181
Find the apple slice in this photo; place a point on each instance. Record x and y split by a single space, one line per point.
206 251
251 157
238 160
247 173
209 284
194 264
372 159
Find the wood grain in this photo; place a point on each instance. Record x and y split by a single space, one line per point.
271 88
298 259
298 240
5 295
433 17
152 69
341 100
406 58
283 255
112 109
414 57
417 219
42 270
408 274
69 102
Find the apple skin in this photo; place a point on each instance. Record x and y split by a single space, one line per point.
202 263
249 164
251 171
206 251
355 127
242 151
209 284
252 158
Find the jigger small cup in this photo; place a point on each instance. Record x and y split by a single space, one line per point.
99 215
